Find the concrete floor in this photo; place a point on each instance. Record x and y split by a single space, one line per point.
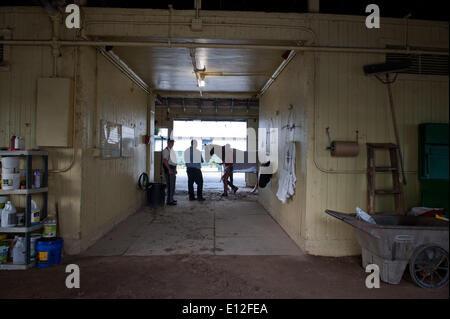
208 276
223 248
237 225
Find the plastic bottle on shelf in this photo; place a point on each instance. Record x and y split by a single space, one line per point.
9 218
50 225
37 180
35 213
18 251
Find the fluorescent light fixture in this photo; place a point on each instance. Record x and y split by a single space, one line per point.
201 83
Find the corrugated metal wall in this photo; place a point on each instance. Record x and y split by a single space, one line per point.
85 212
345 100
18 88
291 88
109 186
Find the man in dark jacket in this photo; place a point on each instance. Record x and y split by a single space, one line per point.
193 159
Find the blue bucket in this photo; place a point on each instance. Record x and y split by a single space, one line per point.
48 251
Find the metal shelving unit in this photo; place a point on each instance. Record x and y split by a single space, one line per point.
28 192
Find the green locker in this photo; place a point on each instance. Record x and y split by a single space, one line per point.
433 151
434 165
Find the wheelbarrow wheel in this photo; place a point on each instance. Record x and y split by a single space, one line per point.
428 266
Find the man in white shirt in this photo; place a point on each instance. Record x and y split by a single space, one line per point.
170 171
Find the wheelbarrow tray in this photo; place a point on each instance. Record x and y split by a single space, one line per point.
391 242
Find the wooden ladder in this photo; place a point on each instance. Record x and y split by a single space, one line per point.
394 169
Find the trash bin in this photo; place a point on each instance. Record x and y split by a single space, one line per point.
155 192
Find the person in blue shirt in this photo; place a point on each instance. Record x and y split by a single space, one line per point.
194 160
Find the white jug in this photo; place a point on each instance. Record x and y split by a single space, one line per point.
9 218
19 143
18 251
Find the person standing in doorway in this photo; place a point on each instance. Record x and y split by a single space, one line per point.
227 159
193 159
170 171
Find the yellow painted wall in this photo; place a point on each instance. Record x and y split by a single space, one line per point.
291 88
109 186
93 194
18 87
343 98
326 89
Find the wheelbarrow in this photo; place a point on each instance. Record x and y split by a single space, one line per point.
396 241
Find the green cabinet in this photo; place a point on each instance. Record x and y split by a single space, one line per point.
433 151
434 165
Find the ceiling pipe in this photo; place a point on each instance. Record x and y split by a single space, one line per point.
125 69
198 6
323 49
120 65
56 52
277 72
208 24
169 35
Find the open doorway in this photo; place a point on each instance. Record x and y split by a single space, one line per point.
233 133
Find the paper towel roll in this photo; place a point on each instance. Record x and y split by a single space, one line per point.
344 149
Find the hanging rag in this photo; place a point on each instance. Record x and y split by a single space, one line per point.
287 178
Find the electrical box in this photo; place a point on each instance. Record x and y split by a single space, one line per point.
54 112
196 24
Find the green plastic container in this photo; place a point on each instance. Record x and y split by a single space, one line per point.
433 151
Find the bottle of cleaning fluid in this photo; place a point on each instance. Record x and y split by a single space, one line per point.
18 251
37 180
50 226
35 213
9 217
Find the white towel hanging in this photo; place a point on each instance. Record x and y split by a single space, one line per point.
287 178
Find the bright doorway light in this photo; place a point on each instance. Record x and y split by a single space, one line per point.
210 132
